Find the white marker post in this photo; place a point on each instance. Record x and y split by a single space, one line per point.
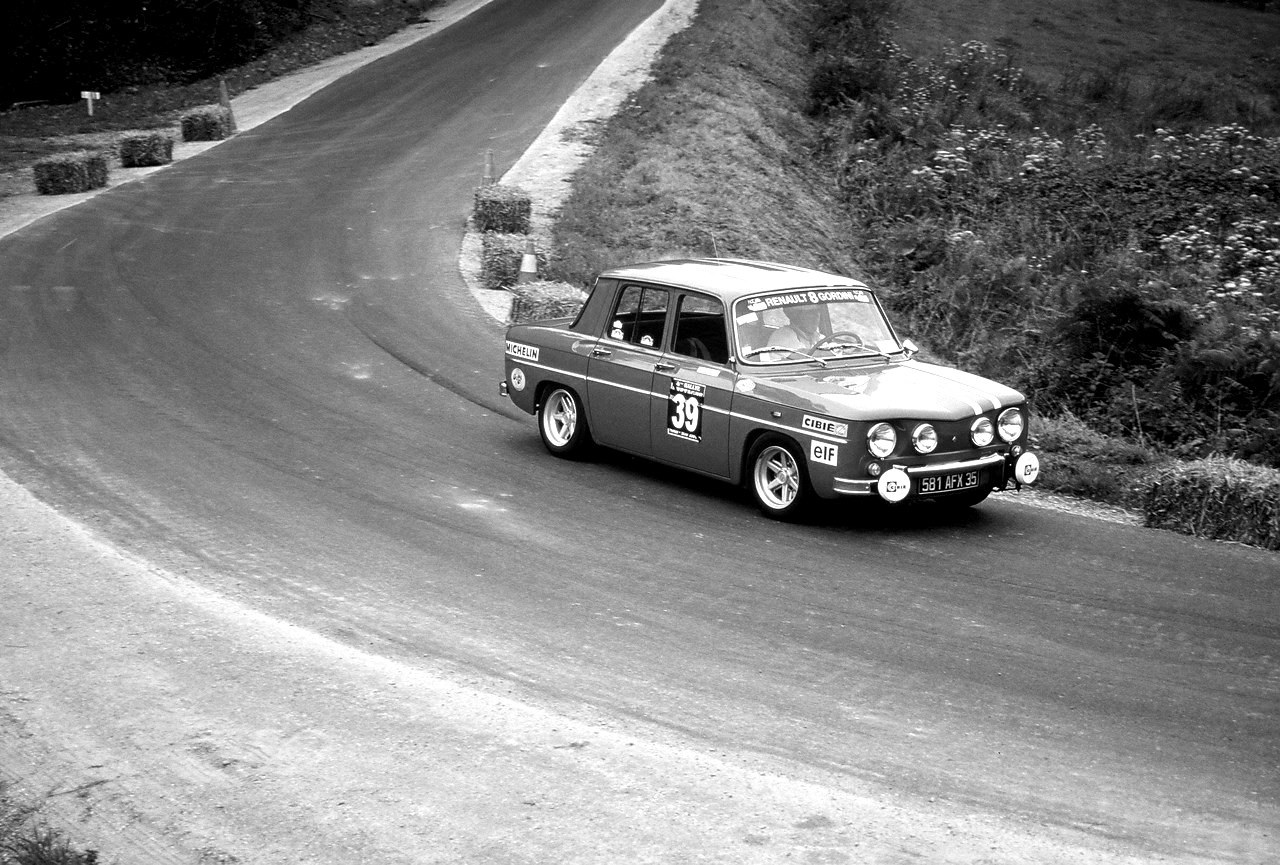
88 96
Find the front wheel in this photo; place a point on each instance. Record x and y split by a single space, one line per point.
563 424
778 479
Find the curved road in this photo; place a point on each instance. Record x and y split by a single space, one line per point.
259 371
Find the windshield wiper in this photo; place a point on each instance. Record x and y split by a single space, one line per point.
764 349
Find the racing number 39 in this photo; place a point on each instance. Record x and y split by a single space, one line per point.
684 416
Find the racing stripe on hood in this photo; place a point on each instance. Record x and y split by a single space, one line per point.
972 383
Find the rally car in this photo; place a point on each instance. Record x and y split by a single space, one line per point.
788 380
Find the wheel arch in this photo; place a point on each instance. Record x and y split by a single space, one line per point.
546 385
749 443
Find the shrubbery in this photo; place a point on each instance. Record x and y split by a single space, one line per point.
1130 278
65 173
26 841
57 48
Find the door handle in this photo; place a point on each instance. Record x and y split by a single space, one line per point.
601 352
664 367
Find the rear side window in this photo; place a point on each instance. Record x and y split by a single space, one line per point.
700 329
640 315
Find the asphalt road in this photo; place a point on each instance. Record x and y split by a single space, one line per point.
260 369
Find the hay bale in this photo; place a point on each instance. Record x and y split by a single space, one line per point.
503 209
500 258
545 299
63 173
141 151
207 123
1218 498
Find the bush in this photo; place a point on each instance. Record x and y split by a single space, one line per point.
1218 498
500 259
44 846
541 300
504 209
207 123
1077 460
64 173
141 151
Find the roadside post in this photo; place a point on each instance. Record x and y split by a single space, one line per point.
225 101
89 96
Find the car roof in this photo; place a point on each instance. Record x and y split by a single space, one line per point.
730 278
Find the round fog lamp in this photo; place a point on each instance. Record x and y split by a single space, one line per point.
894 485
1026 469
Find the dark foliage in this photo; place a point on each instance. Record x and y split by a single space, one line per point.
45 846
56 48
1133 281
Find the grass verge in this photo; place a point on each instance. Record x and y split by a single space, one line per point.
803 133
30 133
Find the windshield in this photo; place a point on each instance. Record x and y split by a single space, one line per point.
811 324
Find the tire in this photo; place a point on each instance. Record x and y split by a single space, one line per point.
778 479
562 423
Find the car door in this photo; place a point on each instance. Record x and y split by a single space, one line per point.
620 368
692 389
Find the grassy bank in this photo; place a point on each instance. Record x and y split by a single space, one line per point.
1014 219
33 132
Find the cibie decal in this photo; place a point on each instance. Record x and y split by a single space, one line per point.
519 349
684 409
517 378
823 425
824 452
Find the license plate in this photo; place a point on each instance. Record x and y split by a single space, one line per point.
948 483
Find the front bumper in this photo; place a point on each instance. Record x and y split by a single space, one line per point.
899 482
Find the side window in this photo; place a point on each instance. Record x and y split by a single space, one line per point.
640 316
700 329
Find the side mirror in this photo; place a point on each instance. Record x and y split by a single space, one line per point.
909 347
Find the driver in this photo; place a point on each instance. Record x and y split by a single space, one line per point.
802 330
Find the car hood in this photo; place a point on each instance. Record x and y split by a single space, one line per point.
905 389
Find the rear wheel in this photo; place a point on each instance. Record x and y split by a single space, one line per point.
778 479
563 423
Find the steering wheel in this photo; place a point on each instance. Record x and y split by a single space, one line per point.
841 338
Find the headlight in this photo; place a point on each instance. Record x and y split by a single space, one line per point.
925 438
982 432
1011 424
881 440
